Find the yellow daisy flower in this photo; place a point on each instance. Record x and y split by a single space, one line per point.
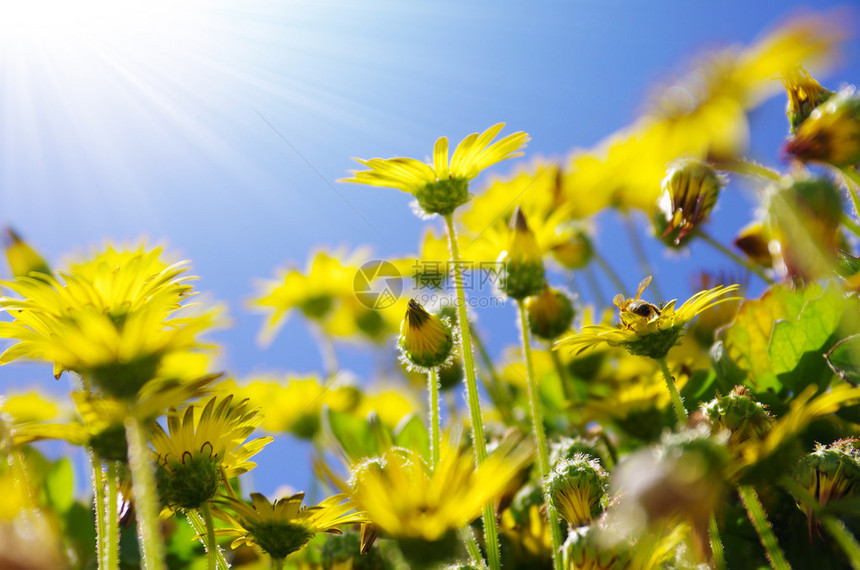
442 186
645 329
111 319
285 526
405 499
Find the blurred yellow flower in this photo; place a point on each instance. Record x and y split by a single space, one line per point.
441 187
29 407
405 499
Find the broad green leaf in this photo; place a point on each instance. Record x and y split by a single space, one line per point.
60 485
792 338
747 338
412 434
844 358
352 434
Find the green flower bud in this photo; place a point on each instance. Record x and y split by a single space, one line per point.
583 549
549 314
443 196
576 252
831 133
804 95
740 414
523 272
567 448
831 472
690 191
426 341
189 481
577 488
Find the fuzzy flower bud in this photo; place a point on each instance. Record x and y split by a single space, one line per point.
585 549
549 314
522 267
831 134
577 488
740 414
576 252
690 191
426 341
22 258
831 472
804 95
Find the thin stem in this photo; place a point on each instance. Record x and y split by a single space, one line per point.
112 526
733 256
201 528
543 453
716 543
491 535
756 514
211 544
595 287
850 224
852 179
468 538
843 537
99 507
435 432
613 276
750 169
677 404
641 256
145 495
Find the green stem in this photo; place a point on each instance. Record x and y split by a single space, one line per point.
277 563
491 535
677 404
201 527
99 506
563 377
716 543
613 276
852 179
211 544
733 256
850 224
750 169
468 538
756 514
435 431
595 287
145 495
499 392
844 539
639 250
112 526
543 453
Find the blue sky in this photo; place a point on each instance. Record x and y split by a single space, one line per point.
219 128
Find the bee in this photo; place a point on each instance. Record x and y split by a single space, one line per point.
636 305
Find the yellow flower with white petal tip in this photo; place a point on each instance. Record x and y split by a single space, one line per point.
442 186
645 329
285 526
404 498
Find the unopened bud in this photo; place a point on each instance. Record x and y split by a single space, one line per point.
425 340
831 133
804 95
577 488
549 314
690 191
522 267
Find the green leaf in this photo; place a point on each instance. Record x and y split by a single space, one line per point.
354 435
60 485
747 338
844 359
412 434
792 338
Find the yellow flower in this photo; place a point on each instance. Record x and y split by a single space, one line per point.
285 526
701 117
441 187
408 501
112 319
645 329
29 407
201 446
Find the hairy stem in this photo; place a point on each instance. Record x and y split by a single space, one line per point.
202 529
489 516
677 404
716 543
145 495
843 537
543 453
757 516
435 431
112 520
